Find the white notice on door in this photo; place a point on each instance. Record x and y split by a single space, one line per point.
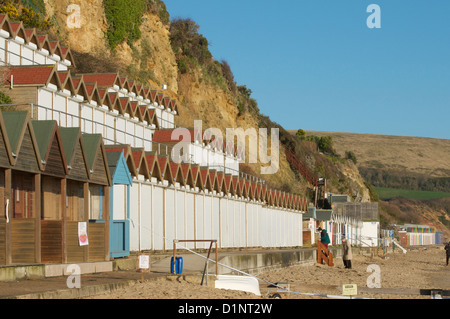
82 234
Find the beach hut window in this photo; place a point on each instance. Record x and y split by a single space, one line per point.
75 201
51 198
23 193
96 202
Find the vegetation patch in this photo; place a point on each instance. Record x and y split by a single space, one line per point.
159 8
29 12
388 193
401 179
124 19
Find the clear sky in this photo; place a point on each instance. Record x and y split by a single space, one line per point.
316 65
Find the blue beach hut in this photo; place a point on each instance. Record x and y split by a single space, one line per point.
119 224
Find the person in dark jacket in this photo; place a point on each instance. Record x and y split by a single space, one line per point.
447 251
324 237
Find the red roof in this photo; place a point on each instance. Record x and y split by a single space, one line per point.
15 26
174 167
26 75
162 162
194 170
137 155
150 160
204 174
185 169
165 136
104 79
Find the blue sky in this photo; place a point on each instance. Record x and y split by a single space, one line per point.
316 65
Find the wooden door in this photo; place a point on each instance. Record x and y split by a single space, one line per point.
23 229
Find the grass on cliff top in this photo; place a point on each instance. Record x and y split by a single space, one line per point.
387 193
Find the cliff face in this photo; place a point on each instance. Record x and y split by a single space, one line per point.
82 24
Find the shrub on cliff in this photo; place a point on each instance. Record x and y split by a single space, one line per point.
124 19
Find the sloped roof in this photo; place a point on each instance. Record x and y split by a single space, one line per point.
102 79
14 122
140 161
43 131
39 75
153 165
118 167
165 135
93 145
127 154
91 142
70 137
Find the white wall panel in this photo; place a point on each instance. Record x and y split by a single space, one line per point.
179 215
120 130
73 113
215 218
110 124
199 219
135 216
60 106
45 99
146 217
158 218
170 216
40 58
14 51
119 202
3 55
139 142
27 56
207 215
190 218
99 121
129 138
86 118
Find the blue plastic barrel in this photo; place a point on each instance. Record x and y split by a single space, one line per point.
177 266
172 265
180 265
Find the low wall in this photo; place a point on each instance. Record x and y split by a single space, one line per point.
13 273
255 263
40 271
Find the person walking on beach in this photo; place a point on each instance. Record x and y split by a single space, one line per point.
347 257
447 251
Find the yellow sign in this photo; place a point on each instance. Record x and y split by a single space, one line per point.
350 290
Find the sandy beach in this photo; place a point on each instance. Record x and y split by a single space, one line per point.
400 276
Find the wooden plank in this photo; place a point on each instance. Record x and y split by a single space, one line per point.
8 173
26 159
23 195
78 171
55 165
2 241
4 160
51 241
2 219
51 198
99 175
75 252
75 201
22 240
97 245
37 213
